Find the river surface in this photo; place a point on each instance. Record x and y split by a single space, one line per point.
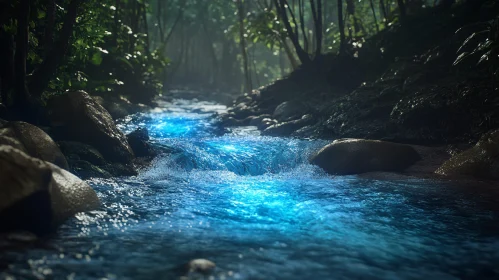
254 206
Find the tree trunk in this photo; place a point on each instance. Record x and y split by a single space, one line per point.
341 25
48 68
382 8
247 75
301 11
21 96
374 15
6 66
351 12
116 26
402 10
158 18
317 15
289 53
49 29
281 10
146 28
175 23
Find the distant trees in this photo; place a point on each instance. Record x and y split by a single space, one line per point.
93 45
121 46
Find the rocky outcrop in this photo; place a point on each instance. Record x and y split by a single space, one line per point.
37 196
32 140
139 141
87 162
355 156
75 116
35 142
287 128
290 110
480 161
120 107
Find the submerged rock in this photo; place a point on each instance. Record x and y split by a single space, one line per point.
355 156
480 161
78 117
202 266
38 196
36 142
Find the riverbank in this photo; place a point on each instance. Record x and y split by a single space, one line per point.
400 86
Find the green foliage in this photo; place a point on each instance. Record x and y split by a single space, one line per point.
482 45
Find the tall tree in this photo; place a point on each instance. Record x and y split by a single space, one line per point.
281 7
341 25
317 16
244 53
21 98
46 71
402 10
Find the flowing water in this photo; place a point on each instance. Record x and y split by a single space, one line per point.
255 207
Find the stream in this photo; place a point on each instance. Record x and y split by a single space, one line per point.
253 205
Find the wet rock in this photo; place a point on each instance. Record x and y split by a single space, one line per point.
9 141
38 196
70 195
120 107
120 169
78 117
36 142
290 110
355 156
480 161
24 192
81 151
202 266
86 170
267 122
257 120
139 141
287 128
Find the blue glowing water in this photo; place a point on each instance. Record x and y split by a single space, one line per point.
254 206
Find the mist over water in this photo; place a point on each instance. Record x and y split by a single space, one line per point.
255 207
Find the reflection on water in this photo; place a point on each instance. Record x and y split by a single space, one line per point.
254 206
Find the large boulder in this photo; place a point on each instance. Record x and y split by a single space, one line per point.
355 156
37 196
480 161
9 141
290 110
78 117
70 195
35 141
24 192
